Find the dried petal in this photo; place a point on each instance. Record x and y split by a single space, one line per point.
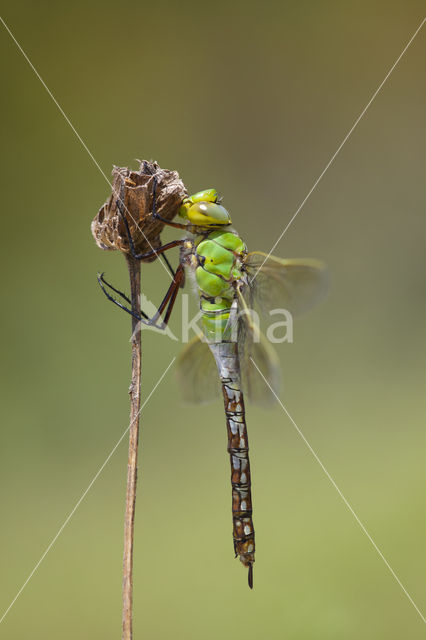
132 191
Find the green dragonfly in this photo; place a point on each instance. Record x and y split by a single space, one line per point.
230 282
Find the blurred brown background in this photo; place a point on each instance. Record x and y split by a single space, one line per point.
253 99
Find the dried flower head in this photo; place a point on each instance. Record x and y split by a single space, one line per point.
132 196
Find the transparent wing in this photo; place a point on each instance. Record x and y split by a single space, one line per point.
255 353
197 373
296 285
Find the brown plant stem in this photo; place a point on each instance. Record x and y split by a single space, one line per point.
135 403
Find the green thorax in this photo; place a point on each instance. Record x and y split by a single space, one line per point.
220 255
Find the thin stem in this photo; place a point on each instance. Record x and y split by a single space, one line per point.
135 401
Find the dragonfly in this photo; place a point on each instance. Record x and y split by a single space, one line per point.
230 351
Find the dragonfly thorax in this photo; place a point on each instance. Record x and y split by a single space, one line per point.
217 259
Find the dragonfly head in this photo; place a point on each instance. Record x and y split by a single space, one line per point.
203 210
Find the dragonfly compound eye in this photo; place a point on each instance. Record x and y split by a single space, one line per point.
207 195
208 214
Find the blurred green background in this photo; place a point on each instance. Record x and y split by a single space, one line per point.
253 99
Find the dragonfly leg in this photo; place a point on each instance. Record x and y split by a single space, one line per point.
160 250
168 300
143 317
101 280
166 261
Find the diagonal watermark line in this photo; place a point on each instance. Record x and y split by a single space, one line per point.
333 157
80 139
341 494
80 500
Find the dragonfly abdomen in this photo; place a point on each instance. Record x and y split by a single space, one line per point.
226 356
238 449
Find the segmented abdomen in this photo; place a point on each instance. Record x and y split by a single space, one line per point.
226 356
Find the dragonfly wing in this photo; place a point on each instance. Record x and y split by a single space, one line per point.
296 285
197 373
255 353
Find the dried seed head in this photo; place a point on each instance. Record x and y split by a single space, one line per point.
132 194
